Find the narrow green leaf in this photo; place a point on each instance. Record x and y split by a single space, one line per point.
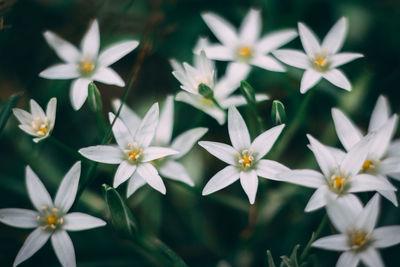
278 114
121 217
6 110
270 260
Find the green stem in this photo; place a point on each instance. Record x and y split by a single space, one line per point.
253 107
217 104
314 236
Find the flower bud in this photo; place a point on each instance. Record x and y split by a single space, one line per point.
278 114
206 91
94 96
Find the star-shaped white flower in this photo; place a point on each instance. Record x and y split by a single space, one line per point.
133 153
245 47
202 71
320 60
358 237
168 167
37 123
50 218
86 65
244 158
379 162
340 175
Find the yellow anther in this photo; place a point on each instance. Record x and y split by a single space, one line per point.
321 61
51 219
134 152
244 53
358 239
86 66
368 164
338 183
245 159
41 127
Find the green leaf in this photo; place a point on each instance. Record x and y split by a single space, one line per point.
121 217
292 261
278 114
6 110
270 260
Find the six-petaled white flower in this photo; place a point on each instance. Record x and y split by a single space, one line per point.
133 153
320 60
358 237
340 175
37 123
244 157
50 218
86 65
168 167
246 47
379 162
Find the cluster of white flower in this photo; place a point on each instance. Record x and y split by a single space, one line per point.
144 149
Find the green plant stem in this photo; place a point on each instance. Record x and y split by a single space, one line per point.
101 122
64 147
314 236
253 107
217 104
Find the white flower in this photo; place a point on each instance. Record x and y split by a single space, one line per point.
358 238
37 123
320 60
222 88
379 162
50 218
133 153
86 65
168 167
340 174
245 47
244 158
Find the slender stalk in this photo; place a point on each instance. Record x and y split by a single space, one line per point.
217 104
253 107
314 236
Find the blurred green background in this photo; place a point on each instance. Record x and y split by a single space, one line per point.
204 231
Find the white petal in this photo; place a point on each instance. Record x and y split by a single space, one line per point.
366 182
66 192
108 76
185 141
124 171
264 142
127 115
389 195
51 111
135 182
355 158
120 131
343 211
380 115
308 178
324 157
337 153
333 242
268 63
79 92
201 44
336 77
274 40
20 218
155 152
149 173
371 258
61 71
368 218
225 86
115 52
386 236
221 28
221 151
381 141
309 40
65 50
270 169
219 52
166 122
309 79
33 243
147 127
23 116
238 132
175 171
390 166
28 129
334 39
318 199
348 259
221 179
104 154
343 58
37 111
237 71
91 41
76 221
293 58
249 182
238 100
36 190
394 149
64 249
348 133
251 26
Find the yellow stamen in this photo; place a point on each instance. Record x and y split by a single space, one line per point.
321 61
134 152
51 219
245 159
368 164
358 239
338 183
41 127
245 52
86 66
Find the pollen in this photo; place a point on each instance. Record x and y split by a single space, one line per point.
245 52
368 164
245 159
320 61
134 152
358 239
40 127
338 183
86 66
50 218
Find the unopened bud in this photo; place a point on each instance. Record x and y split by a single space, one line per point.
94 96
278 114
206 91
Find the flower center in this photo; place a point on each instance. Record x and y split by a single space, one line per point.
134 152
86 67
368 167
320 61
338 183
50 218
40 127
245 159
245 53
358 239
